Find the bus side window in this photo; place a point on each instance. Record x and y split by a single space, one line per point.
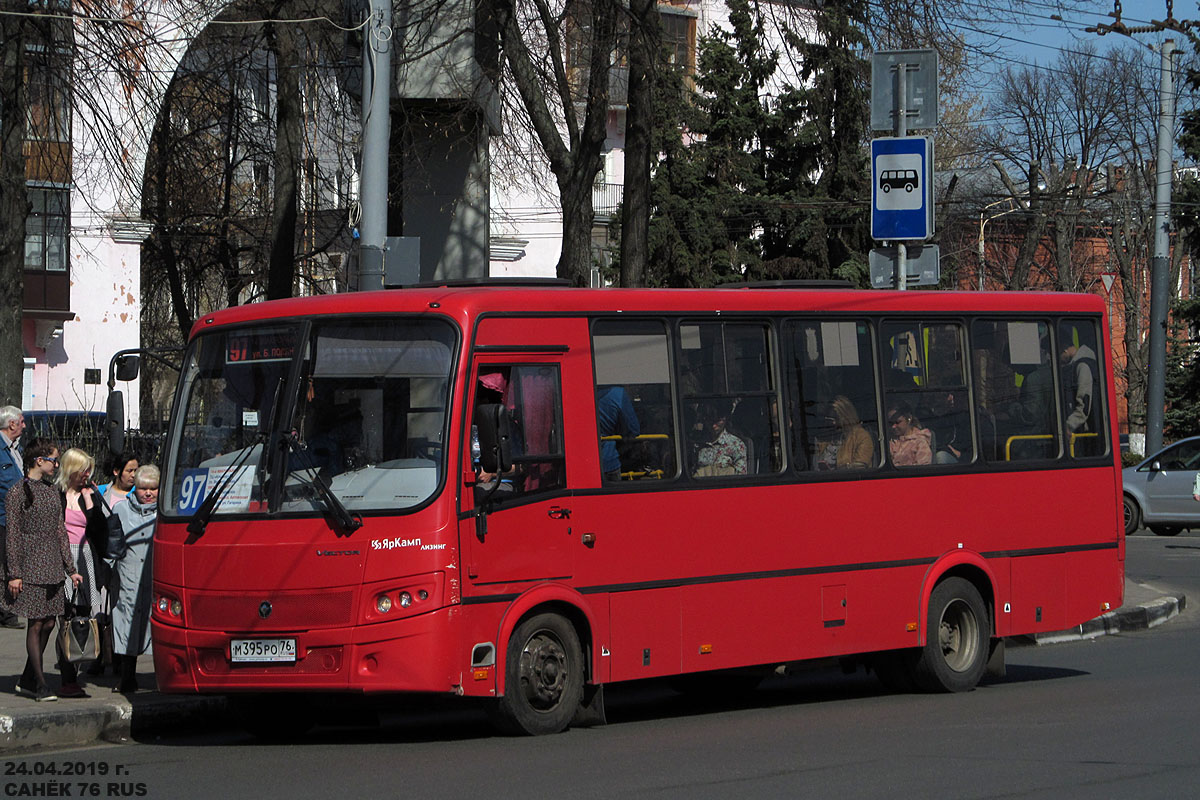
1014 390
1082 388
728 387
833 416
635 416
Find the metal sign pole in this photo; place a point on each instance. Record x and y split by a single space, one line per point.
902 130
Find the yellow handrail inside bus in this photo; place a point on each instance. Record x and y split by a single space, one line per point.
1032 437
616 437
633 475
1075 436
1029 437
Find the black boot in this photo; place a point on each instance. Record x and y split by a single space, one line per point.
128 684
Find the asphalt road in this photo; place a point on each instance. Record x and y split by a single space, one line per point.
1114 717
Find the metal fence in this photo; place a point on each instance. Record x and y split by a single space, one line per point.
144 443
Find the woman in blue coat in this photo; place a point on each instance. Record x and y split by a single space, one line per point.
130 548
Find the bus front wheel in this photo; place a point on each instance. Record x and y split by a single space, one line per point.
543 677
956 642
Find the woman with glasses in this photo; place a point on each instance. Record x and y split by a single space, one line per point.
39 556
909 444
130 546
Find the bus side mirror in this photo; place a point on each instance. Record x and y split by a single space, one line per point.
128 367
495 442
114 421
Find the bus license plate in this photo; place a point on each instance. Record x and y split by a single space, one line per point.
249 650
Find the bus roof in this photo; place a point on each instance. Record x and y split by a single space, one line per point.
466 302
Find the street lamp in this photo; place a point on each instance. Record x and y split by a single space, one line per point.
1017 205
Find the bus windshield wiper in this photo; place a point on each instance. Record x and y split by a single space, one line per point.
199 520
335 509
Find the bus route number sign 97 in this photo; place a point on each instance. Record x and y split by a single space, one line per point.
259 650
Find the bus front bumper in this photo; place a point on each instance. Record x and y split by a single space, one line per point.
406 655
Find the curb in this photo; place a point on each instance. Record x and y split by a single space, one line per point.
1133 618
68 723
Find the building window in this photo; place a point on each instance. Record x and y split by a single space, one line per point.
49 112
679 39
46 229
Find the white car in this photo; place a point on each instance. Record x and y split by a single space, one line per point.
1158 491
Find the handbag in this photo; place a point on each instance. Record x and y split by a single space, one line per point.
96 530
79 634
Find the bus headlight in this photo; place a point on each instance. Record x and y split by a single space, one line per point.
383 604
405 599
168 607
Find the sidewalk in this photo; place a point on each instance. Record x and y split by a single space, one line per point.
29 726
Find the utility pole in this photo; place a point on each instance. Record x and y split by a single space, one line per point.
376 124
1160 262
1164 175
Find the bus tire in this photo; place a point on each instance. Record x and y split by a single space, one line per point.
1133 515
956 640
543 678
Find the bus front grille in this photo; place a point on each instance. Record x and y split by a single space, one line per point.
270 610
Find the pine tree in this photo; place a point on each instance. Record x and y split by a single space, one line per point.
759 179
708 186
818 225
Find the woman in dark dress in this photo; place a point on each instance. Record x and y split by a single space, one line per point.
39 555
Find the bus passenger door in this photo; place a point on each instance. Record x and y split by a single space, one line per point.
520 529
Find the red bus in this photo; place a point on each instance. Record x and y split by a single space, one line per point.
525 492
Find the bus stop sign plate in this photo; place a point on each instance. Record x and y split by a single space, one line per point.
901 188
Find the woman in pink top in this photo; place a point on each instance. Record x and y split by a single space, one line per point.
910 444
75 481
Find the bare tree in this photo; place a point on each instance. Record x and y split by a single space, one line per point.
1080 133
536 52
644 61
14 203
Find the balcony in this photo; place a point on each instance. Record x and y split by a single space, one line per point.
606 199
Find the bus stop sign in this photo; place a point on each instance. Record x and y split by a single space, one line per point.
902 188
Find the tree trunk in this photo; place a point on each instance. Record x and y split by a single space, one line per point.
167 255
14 200
576 161
575 261
281 272
644 43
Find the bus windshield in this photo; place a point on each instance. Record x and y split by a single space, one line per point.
359 406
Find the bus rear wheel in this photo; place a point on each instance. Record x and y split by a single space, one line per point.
956 642
543 678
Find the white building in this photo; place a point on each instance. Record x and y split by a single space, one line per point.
526 219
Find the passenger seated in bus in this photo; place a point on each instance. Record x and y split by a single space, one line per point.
910 443
951 427
614 416
719 452
850 446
